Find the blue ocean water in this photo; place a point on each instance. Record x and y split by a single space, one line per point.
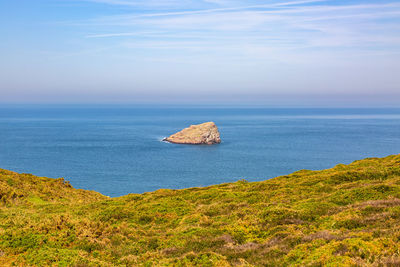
118 150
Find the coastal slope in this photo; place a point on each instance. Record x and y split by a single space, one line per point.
347 215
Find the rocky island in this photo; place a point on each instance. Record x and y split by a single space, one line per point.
201 134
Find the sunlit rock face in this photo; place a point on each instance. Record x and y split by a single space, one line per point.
201 134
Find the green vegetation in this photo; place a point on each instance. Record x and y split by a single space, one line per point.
347 215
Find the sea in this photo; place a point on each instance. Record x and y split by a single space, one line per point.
117 150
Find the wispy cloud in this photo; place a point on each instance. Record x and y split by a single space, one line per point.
136 3
295 22
219 10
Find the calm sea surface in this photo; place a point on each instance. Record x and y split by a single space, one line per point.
118 150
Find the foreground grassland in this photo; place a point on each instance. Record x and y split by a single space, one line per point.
347 215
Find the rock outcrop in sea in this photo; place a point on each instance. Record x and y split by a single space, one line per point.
201 134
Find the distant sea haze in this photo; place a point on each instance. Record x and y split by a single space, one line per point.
118 150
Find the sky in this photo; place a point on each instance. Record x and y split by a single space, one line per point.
266 52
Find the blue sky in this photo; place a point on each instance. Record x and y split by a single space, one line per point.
302 52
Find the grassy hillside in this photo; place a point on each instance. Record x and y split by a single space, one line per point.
347 215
